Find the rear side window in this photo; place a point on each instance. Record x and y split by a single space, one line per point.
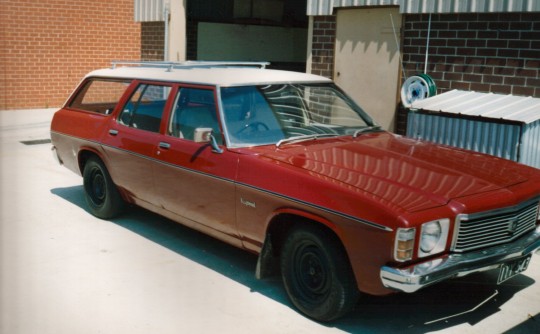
99 95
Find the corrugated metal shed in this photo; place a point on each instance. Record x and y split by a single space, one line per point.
326 7
148 10
497 106
468 6
506 126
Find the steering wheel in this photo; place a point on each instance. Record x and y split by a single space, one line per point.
254 126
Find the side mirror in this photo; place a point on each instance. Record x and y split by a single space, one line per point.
205 135
202 135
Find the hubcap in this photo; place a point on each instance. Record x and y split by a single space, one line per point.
311 274
98 188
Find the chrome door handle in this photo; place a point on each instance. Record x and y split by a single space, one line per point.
113 132
164 145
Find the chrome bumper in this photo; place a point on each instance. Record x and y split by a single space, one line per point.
413 278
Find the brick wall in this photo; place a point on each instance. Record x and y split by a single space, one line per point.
496 52
47 46
152 40
323 45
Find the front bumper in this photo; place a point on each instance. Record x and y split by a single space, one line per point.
415 277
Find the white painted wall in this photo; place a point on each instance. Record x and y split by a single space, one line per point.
177 30
367 60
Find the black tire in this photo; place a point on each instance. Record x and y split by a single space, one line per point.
317 275
101 193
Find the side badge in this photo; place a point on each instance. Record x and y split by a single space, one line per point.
248 203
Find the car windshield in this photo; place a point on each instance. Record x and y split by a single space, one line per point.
282 113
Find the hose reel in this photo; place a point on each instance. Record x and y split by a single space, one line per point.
417 87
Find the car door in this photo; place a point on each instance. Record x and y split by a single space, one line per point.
195 183
132 138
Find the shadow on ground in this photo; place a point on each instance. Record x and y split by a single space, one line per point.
431 309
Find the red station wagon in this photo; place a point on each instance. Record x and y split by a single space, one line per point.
287 166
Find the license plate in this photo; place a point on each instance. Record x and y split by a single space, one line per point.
511 269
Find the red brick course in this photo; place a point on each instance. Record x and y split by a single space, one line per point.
496 52
47 46
152 40
323 45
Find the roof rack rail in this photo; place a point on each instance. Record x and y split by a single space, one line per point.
169 66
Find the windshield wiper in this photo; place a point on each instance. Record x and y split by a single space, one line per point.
296 139
366 129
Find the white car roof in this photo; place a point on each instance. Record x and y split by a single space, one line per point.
215 76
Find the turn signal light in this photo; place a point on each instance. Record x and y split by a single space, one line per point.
403 250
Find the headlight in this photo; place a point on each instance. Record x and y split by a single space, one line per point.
431 234
433 237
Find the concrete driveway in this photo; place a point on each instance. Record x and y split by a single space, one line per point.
64 271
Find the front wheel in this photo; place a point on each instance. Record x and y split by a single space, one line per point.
101 194
317 275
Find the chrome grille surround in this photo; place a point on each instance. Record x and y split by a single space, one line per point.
486 229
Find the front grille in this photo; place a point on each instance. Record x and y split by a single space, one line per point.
495 227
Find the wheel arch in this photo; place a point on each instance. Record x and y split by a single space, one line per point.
277 230
85 154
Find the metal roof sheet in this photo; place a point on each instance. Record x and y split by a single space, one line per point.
148 10
468 6
487 105
326 7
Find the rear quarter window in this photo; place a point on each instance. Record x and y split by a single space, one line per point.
99 95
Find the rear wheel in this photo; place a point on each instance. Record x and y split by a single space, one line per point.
101 193
317 275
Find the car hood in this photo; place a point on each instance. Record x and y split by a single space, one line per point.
410 174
